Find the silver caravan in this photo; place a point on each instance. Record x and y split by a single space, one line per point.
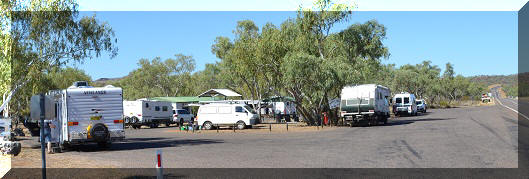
365 104
85 114
147 112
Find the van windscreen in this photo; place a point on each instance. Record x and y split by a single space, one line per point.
248 108
406 100
398 100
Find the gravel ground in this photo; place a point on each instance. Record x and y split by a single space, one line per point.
471 137
467 137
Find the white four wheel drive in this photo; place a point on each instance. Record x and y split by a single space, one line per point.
180 116
147 112
421 105
219 114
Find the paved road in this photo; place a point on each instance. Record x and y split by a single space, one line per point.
470 137
521 108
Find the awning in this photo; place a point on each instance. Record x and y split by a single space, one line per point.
220 92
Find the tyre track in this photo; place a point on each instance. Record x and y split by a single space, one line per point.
492 132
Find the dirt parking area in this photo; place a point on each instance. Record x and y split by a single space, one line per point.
30 157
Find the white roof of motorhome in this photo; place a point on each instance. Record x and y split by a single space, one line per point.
222 92
403 94
366 85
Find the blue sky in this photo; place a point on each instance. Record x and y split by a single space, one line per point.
477 43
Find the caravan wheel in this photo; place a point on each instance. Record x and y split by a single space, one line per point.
134 120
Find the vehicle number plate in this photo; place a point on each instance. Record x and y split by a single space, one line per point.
95 117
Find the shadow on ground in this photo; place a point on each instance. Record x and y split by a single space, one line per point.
144 143
409 121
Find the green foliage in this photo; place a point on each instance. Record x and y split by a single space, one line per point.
158 78
63 78
41 37
510 90
426 81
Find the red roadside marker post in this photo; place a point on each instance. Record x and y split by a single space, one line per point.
159 168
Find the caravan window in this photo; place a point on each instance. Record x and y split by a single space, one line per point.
239 109
157 108
365 101
164 108
351 102
406 100
147 105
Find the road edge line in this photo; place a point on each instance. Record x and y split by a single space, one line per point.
499 101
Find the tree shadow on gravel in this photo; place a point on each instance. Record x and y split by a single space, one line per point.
410 121
144 143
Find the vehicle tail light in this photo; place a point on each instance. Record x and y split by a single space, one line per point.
73 123
175 115
139 114
118 121
371 110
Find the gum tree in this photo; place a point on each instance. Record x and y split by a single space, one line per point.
46 35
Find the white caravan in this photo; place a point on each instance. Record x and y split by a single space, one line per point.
219 114
404 103
368 104
146 112
85 114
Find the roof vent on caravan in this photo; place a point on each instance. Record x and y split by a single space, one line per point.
79 84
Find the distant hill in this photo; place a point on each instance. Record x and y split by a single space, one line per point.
105 81
488 80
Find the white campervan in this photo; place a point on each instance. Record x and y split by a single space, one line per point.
146 112
404 103
223 114
85 114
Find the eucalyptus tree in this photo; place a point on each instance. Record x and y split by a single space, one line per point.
45 35
158 77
